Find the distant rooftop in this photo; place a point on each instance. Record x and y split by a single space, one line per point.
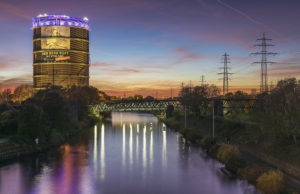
60 20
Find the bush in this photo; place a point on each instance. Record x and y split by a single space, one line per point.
213 150
190 135
230 155
207 142
270 182
228 152
250 173
56 138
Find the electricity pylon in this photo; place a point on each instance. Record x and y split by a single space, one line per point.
202 80
264 61
225 73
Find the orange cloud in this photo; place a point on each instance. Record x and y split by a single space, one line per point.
180 50
102 64
186 55
126 70
248 46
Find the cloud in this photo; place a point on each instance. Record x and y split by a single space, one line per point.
102 64
14 10
239 12
12 83
143 87
180 50
185 55
126 70
248 46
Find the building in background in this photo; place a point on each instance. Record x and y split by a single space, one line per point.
60 51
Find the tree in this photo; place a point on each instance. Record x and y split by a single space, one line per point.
149 98
6 95
237 104
21 93
280 118
196 99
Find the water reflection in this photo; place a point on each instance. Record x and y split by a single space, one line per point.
95 144
137 142
144 148
135 153
151 149
130 145
102 158
124 147
164 149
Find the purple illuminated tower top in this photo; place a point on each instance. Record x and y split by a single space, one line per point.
60 20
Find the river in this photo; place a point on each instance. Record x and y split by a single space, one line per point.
132 153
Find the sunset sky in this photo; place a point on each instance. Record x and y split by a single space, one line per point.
144 46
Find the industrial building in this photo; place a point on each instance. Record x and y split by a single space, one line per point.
60 51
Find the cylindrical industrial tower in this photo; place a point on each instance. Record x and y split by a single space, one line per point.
60 51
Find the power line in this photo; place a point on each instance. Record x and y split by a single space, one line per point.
225 73
264 61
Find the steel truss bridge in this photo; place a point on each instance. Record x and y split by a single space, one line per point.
161 105
135 105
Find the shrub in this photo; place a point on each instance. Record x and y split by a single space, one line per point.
56 138
270 182
230 155
207 142
193 135
213 150
250 173
228 152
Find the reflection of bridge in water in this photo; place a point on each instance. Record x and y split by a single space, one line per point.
136 105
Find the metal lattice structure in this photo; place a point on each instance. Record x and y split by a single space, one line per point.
225 73
135 106
264 53
221 105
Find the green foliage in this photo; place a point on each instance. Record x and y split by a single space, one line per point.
8 124
56 137
207 142
31 121
230 155
190 135
279 113
169 111
250 173
227 152
244 107
213 150
49 115
196 98
270 182
80 98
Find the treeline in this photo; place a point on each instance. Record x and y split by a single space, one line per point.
276 112
18 95
51 115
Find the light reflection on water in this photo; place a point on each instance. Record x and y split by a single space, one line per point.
135 153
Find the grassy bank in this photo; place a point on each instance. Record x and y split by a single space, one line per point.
243 151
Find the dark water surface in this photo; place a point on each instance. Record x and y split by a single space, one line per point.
134 153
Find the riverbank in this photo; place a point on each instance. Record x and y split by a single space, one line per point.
238 145
10 151
15 147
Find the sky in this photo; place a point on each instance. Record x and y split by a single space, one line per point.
150 47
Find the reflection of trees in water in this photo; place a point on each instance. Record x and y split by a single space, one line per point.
184 150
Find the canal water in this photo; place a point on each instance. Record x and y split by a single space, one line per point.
132 153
